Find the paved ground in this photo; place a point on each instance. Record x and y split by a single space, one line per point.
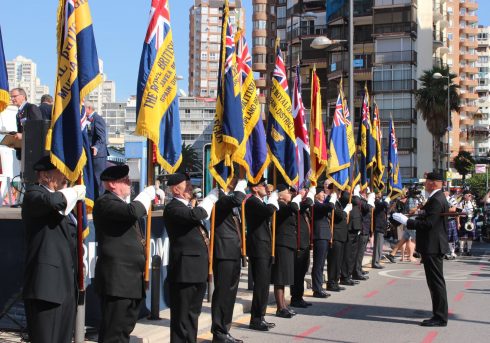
386 308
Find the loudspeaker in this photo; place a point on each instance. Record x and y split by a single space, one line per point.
33 147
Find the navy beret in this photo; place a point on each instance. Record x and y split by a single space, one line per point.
44 164
175 179
114 173
434 176
282 187
252 184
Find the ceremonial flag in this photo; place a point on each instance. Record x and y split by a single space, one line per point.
281 140
339 156
394 178
318 142
365 141
92 190
354 174
4 81
301 133
77 75
378 168
157 104
256 158
228 131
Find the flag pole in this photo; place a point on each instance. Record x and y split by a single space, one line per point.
352 183
150 180
274 183
211 251
242 174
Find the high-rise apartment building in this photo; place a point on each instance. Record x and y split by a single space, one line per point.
104 93
482 119
462 32
204 43
22 73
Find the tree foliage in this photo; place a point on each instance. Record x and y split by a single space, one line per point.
190 159
478 184
464 163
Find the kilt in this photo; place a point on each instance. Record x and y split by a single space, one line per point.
283 268
452 230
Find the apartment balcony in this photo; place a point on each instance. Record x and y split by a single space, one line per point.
305 31
469 30
260 83
403 143
469 57
469 18
472 44
468 69
466 147
382 3
480 133
438 39
469 96
407 56
468 82
395 28
394 86
259 67
468 108
466 121
470 5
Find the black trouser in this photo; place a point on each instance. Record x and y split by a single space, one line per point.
226 277
119 316
361 249
261 271
48 322
320 250
185 310
334 261
350 253
301 264
433 266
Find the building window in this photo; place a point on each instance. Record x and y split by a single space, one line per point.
260 24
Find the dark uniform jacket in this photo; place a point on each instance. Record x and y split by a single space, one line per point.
322 213
227 228
46 110
51 262
258 218
120 252
366 212
28 112
359 206
188 255
340 227
97 135
380 216
287 225
432 238
304 224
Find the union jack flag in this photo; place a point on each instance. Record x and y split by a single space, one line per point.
230 46
159 22
393 139
243 58
338 117
280 70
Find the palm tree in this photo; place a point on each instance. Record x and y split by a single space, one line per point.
190 159
464 163
431 100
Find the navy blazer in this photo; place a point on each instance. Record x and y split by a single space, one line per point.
98 135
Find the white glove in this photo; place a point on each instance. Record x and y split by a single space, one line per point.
297 199
368 190
273 199
357 191
241 185
401 218
81 191
209 201
371 198
387 200
333 198
311 193
72 194
348 208
146 196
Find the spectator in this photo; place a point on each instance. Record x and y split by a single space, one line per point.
97 135
46 106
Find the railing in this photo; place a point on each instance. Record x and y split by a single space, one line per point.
394 2
396 57
306 30
403 143
395 27
394 85
402 114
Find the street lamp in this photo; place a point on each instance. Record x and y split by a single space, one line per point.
439 76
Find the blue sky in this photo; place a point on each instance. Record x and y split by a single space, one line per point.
29 29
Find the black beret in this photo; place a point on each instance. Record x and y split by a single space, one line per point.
319 189
282 187
252 184
330 186
434 176
44 164
177 178
114 173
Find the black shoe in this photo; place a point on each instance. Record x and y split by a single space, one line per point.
335 288
377 266
433 322
293 312
365 272
269 325
360 278
300 303
348 282
447 256
220 338
390 258
416 255
321 294
259 325
283 313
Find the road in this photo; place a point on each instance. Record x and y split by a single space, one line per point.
388 308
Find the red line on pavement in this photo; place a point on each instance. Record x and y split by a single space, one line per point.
371 294
407 272
468 284
344 311
450 311
430 337
307 333
459 296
